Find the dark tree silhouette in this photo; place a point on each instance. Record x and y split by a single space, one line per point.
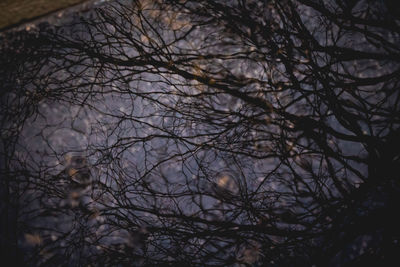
210 133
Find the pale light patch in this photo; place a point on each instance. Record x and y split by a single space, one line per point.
67 158
95 214
251 254
145 4
154 13
74 195
145 39
223 181
33 239
226 182
28 27
74 203
111 28
72 172
177 24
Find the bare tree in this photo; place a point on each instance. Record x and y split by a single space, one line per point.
243 133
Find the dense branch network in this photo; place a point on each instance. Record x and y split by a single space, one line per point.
205 133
